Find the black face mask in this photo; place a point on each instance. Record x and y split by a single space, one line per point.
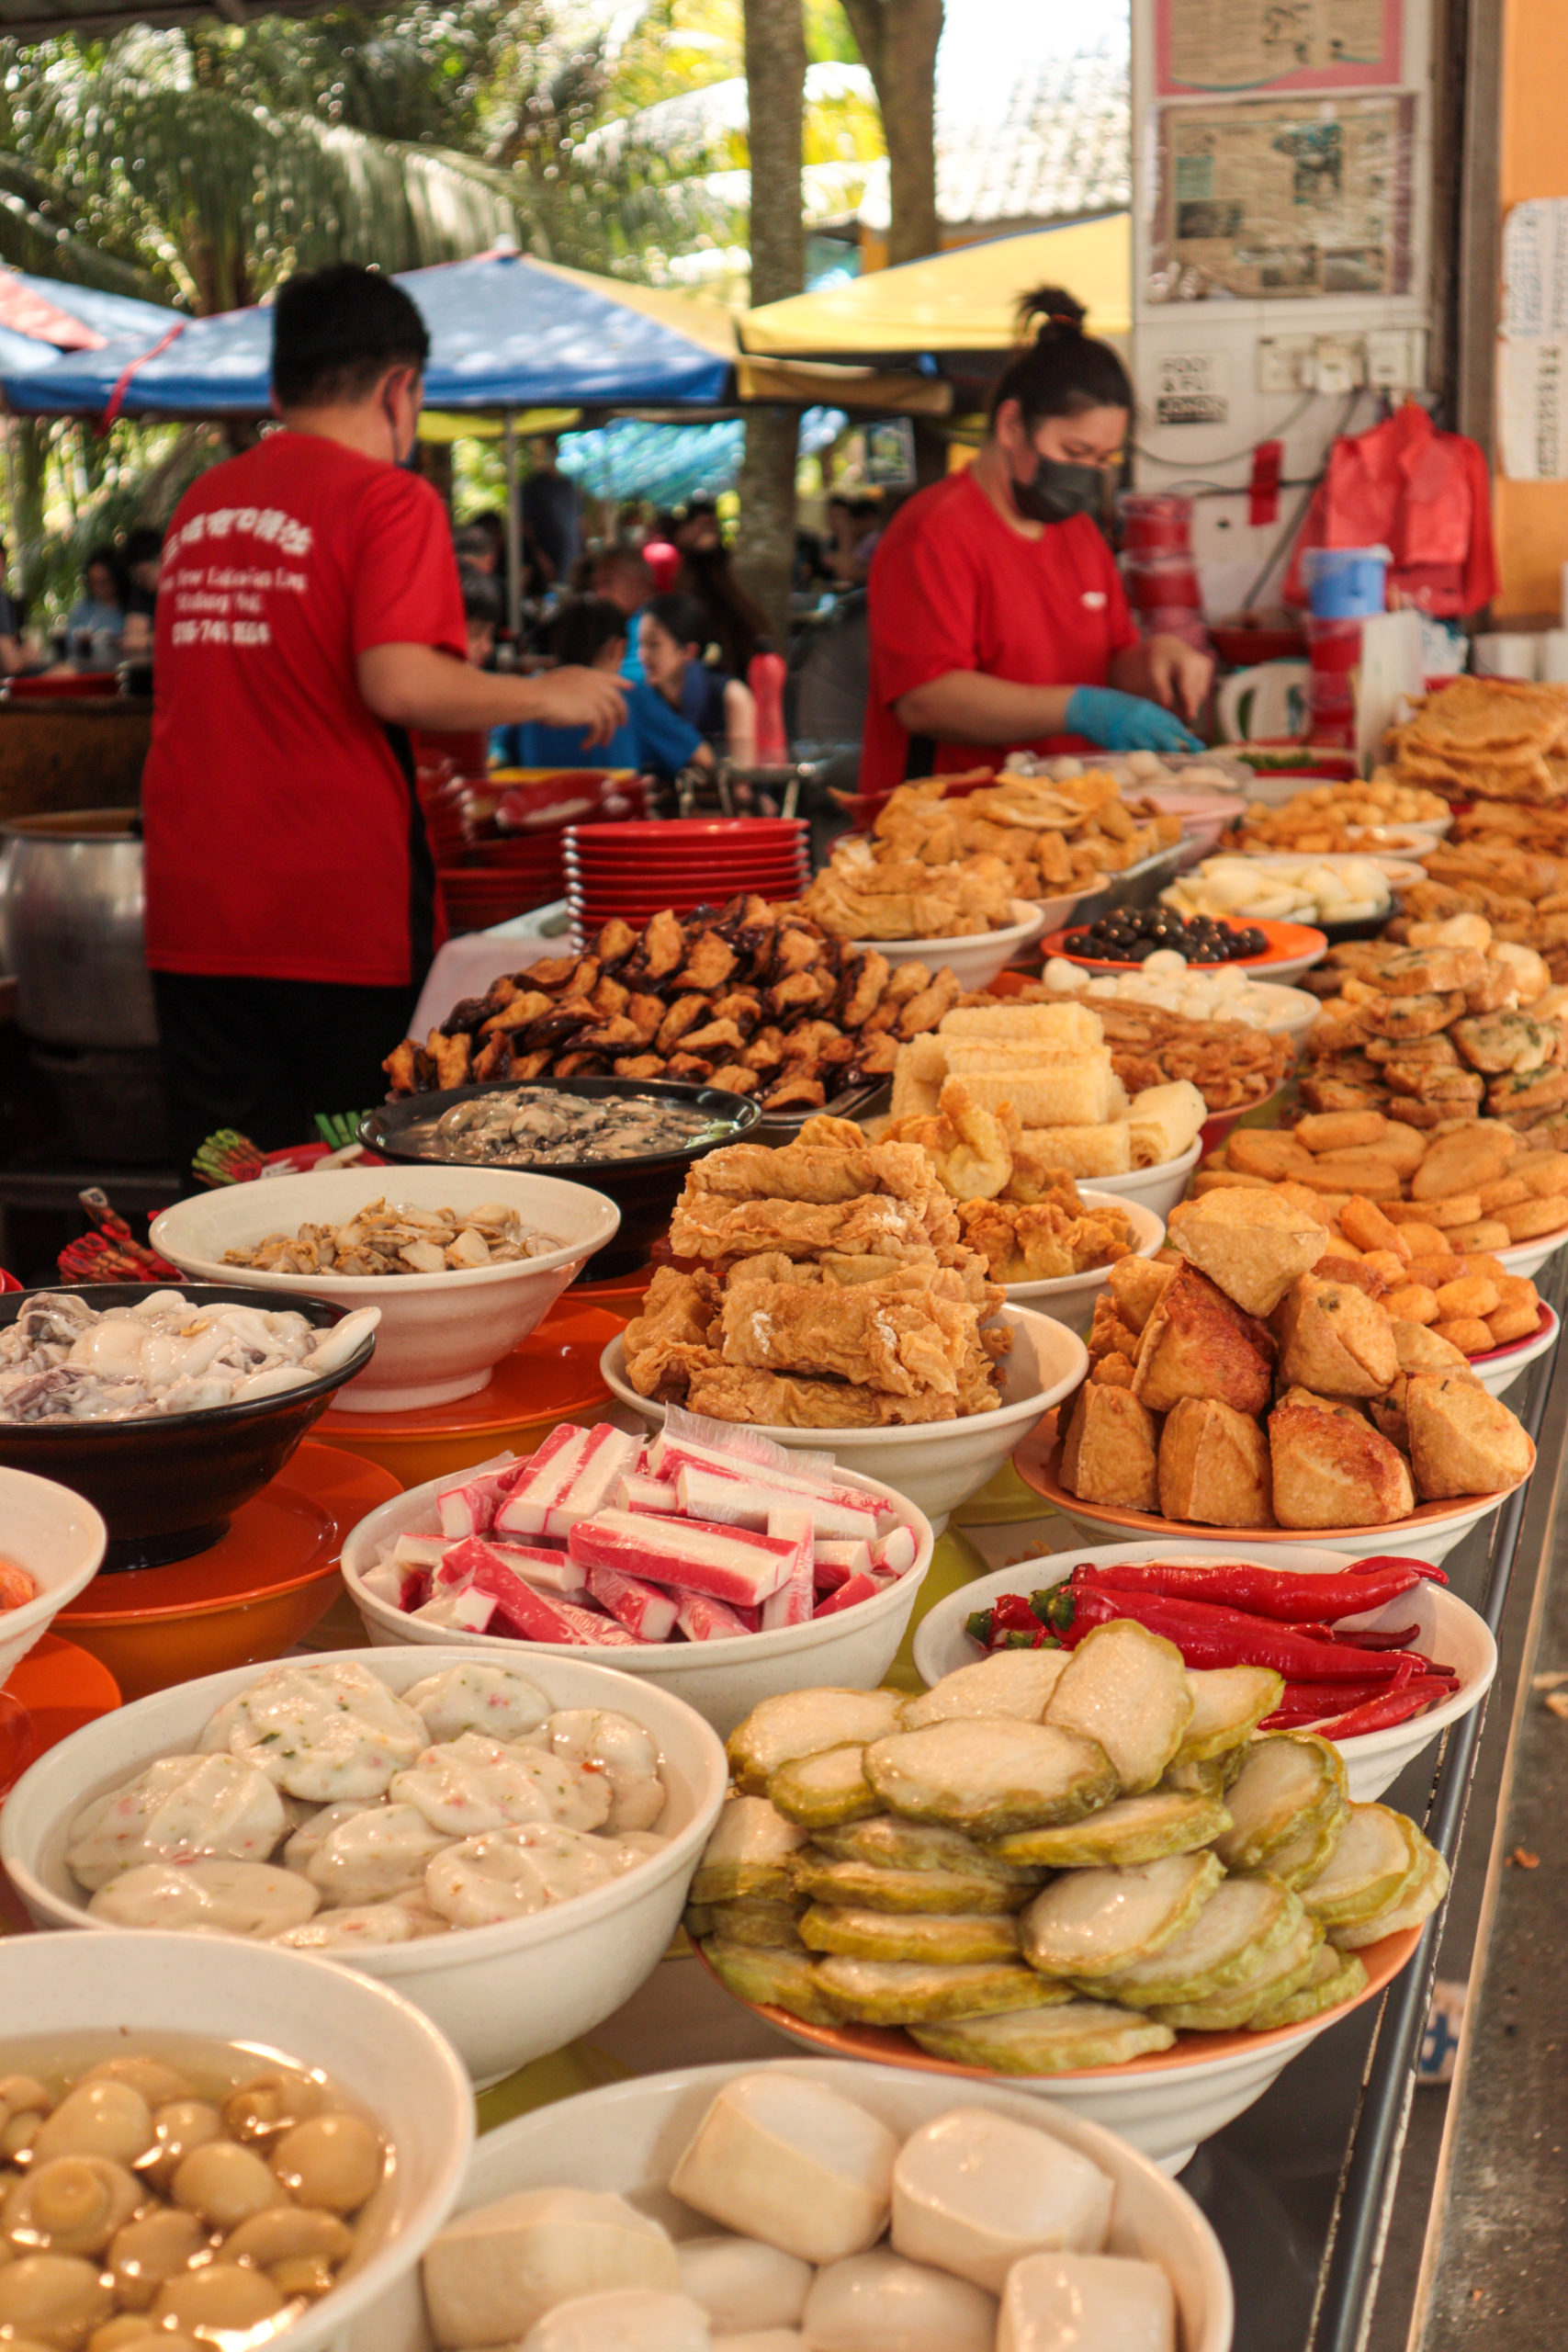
1058 491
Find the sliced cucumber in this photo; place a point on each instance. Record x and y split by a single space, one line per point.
1127 1689
954 1941
1011 1682
1280 1973
1290 1782
802 1722
1243 1921
888 1843
1190 1780
784 1980
768 1925
1096 1923
823 1789
911 1992
990 1775
1047 2041
870 1888
1375 1864
1228 1704
1134 1829
1303 1856
1336 1977
748 1853
1416 1904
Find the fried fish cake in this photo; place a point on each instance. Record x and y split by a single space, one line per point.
1410 1016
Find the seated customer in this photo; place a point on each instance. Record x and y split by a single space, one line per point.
97 619
671 635
481 613
655 739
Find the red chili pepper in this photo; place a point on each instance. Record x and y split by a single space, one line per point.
1381 1713
1266 1592
1363 1637
1210 1636
1013 1612
1377 1561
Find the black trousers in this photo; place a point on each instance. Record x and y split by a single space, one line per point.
265 1055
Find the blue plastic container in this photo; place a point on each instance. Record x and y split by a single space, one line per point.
1346 584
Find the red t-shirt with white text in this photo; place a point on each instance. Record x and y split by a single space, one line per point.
283 838
953 587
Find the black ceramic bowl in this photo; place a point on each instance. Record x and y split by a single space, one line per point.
168 1485
645 1191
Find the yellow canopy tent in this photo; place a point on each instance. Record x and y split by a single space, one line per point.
962 301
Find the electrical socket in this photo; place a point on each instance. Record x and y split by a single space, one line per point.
1340 363
1393 359
1285 363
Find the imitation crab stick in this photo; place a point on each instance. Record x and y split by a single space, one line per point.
731 1563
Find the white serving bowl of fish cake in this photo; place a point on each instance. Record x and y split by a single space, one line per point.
441 1335
373 2045
624 2140
974 960
1446 1630
502 1995
1069 1298
936 1466
56 1538
723 1681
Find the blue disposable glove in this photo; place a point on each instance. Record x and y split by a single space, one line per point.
1127 722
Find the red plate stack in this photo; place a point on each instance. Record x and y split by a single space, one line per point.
636 870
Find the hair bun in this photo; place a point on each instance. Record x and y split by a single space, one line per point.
1056 309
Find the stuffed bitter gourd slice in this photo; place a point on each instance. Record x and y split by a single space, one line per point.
988 1774
871 1889
823 1789
954 1941
1131 1829
802 1722
748 1854
1096 1923
783 1980
1048 2040
1291 1782
1129 1690
914 1992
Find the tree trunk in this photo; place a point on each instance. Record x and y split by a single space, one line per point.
898 40
28 437
775 77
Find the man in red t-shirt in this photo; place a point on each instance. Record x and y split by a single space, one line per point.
309 612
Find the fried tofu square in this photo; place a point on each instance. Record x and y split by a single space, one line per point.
1253 1245
1464 1440
1196 1343
1213 1466
1136 1286
1110 1453
1334 1340
1331 1468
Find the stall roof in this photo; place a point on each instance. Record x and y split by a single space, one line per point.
507 332
962 301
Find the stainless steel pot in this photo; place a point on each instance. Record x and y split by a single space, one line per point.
71 928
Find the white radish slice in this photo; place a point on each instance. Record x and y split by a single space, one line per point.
975 2192
630 2319
791 2162
1013 1682
1128 1689
490 2274
1095 1923
741 2283
1068 2302
879 2302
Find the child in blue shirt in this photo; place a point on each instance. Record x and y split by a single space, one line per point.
656 740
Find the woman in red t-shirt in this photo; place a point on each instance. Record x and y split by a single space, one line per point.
997 617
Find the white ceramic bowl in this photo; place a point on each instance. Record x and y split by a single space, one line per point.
1499 1370
1070 1297
502 1994
1159 1188
723 1681
625 2139
374 2043
975 961
59 1539
441 1335
1528 1257
1446 1630
936 1466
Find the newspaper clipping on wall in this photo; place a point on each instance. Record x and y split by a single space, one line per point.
1532 376
1220 45
1272 199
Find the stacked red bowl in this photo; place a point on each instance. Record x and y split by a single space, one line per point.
499 842
636 870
